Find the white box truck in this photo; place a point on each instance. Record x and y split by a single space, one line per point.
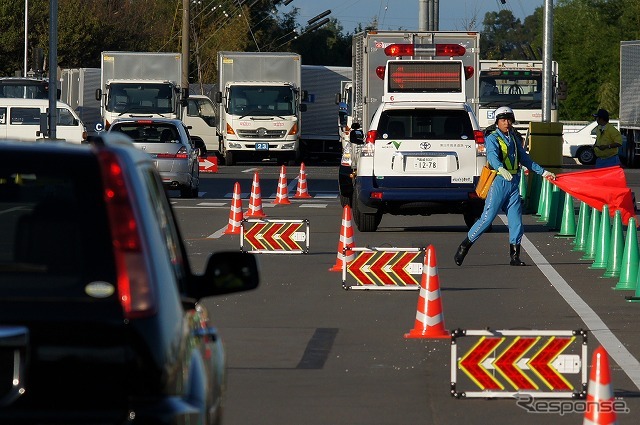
369 60
320 136
77 89
518 85
139 84
630 102
259 105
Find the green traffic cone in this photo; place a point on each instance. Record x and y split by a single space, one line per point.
629 266
543 197
534 193
616 246
568 223
580 242
546 204
635 298
592 235
603 240
555 212
523 185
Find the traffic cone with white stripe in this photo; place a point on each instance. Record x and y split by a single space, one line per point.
301 190
255 201
235 215
282 197
429 315
345 254
599 409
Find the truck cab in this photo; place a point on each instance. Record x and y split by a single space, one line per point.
424 149
199 115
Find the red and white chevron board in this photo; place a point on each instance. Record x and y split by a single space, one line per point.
385 268
504 363
275 236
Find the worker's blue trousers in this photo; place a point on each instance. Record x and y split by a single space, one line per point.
505 196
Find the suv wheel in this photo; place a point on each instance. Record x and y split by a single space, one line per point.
366 222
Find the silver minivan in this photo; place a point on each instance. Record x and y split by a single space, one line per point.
20 120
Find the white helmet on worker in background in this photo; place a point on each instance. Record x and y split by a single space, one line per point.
504 112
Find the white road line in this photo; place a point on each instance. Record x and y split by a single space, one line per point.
218 233
312 206
595 325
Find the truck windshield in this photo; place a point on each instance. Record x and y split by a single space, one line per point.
261 100
149 98
518 89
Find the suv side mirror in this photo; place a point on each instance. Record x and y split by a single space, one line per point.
218 97
303 107
98 95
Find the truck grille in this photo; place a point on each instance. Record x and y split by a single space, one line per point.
262 133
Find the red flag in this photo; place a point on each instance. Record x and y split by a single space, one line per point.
598 187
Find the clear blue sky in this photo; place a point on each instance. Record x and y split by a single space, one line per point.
394 14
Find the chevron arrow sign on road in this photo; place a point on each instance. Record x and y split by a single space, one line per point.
509 363
385 268
275 236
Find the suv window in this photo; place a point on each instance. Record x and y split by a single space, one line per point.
54 233
420 124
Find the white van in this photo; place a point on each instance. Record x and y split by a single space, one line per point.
20 120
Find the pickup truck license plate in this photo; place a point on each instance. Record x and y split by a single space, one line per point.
262 146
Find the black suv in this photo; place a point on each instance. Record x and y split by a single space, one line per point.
99 315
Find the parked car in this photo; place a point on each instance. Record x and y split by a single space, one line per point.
100 320
170 145
579 144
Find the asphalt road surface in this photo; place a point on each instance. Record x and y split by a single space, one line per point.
303 350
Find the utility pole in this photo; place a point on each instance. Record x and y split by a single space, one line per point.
185 50
547 56
428 15
53 68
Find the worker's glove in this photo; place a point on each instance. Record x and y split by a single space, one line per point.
505 174
548 174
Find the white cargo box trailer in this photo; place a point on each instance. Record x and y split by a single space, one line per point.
319 130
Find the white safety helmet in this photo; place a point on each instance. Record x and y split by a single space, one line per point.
504 112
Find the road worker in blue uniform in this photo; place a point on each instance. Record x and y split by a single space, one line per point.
505 154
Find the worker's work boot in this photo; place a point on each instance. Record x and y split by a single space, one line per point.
514 252
462 251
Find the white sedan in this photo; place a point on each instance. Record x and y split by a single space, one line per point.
580 143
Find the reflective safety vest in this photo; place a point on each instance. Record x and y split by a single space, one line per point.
512 168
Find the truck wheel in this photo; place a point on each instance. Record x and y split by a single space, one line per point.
229 158
365 222
586 156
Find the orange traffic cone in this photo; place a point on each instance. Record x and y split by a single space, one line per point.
345 242
600 394
255 201
429 315
281 195
302 191
235 215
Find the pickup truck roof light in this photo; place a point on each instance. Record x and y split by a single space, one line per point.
449 50
134 290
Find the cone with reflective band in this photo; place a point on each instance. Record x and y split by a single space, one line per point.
235 215
282 196
592 235
429 321
302 191
616 247
568 222
603 240
255 201
599 409
584 217
345 254
629 266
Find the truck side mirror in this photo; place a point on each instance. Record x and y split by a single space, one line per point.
218 97
305 95
98 95
338 98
